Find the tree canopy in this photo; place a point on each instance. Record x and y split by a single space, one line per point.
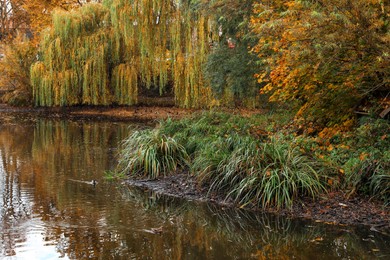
101 54
30 15
329 55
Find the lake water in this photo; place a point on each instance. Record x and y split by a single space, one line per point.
50 210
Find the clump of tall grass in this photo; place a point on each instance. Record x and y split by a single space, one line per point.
269 174
223 162
372 178
148 153
380 182
284 174
380 185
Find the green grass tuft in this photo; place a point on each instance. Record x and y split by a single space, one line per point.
380 183
150 154
270 174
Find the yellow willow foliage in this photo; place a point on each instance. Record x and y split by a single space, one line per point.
102 54
126 84
189 52
74 65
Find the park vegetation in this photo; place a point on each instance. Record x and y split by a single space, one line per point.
256 161
320 66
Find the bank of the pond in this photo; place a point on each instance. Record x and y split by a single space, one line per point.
135 113
257 163
110 113
333 208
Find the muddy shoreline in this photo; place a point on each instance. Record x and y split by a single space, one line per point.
112 113
99 113
332 208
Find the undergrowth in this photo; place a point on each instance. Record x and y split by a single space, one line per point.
359 159
245 160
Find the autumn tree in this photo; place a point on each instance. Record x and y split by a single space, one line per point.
39 12
16 54
21 22
330 55
29 15
12 18
15 71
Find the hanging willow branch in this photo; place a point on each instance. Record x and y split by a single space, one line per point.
102 54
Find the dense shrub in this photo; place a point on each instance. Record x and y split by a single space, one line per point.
359 158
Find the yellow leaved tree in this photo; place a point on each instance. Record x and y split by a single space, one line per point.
21 22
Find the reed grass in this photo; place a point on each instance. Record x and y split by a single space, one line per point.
270 174
284 174
150 154
380 183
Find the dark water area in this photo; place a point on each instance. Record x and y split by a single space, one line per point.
50 210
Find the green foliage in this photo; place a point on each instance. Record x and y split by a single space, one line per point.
231 15
101 54
150 154
230 66
231 71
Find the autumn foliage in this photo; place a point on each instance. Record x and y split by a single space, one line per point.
329 55
15 71
21 24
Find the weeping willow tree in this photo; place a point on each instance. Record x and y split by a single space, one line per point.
75 59
102 54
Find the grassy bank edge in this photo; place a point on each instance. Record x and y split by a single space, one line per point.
257 161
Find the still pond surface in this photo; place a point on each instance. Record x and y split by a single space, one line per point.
49 210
